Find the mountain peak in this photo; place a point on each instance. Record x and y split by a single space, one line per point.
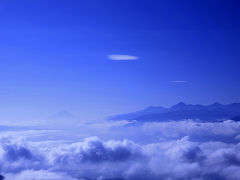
179 105
63 114
216 104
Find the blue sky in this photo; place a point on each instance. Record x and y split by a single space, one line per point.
56 55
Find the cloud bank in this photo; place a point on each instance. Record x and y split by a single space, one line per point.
169 150
121 57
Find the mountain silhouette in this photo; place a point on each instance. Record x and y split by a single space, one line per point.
180 111
236 118
62 119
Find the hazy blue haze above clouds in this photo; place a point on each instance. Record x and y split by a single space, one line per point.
55 55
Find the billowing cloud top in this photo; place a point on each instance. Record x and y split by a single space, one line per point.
180 150
121 57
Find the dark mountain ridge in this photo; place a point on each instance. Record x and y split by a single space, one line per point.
180 111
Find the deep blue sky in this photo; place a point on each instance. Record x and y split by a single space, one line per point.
54 55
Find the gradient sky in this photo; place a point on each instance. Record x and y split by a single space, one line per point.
55 55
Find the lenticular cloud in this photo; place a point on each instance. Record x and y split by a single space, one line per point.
179 156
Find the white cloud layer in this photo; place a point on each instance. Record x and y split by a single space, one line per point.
121 57
167 150
178 81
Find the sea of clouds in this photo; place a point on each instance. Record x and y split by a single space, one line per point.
123 151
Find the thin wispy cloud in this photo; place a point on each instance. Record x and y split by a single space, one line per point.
178 81
122 57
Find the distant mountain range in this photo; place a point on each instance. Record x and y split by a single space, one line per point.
180 111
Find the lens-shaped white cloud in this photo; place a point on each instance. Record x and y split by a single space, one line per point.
121 57
178 81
